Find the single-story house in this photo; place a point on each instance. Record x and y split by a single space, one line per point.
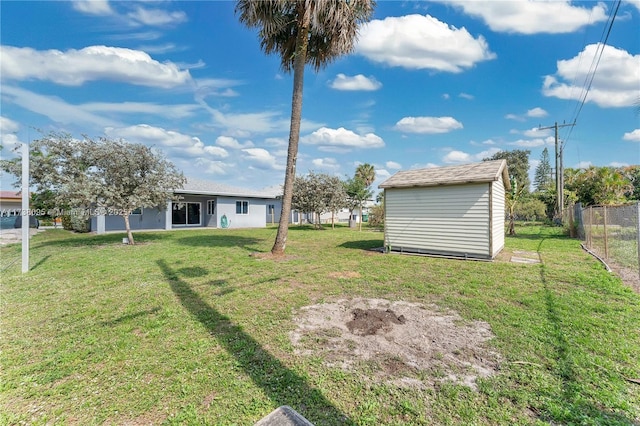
454 211
202 204
10 203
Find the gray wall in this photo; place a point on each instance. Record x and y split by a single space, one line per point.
256 218
497 216
447 220
151 218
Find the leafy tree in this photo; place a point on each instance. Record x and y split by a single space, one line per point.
518 164
598 185
632 174
511 201
301 32
367 174
357 193
543 180
318 194
110 176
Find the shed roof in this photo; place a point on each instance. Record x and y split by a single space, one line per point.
205 187
486 171
10 195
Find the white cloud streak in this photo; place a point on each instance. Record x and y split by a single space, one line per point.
428 125
532 17
76 67
355 83
341 140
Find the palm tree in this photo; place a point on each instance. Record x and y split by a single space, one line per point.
301 32
367 174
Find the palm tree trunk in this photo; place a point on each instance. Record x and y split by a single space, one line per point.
294 131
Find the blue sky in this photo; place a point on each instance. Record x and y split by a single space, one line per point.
429 84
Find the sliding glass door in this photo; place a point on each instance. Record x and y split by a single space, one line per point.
185 214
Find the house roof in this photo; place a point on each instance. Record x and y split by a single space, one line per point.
205 187
486 171
8 195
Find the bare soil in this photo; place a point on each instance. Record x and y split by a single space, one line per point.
408 344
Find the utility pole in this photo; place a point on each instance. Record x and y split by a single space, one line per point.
559 168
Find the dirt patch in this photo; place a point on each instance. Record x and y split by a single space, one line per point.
409 344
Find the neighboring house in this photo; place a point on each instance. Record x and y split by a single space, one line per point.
10 203
202 204
451 211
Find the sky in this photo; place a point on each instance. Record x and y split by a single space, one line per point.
429 83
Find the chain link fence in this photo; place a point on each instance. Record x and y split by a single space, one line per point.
612 233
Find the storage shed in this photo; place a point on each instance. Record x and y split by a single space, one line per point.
449 211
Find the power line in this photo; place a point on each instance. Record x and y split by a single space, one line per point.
594 67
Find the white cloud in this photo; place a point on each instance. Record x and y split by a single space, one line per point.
157 17
466 96
277 142
54 108
618 164
533 17
393 165
533 143
326 163
177 142
8 138
169 111
428 125
537 112
232 143
615 83
537 132
421 42
633 136
93 7
357 82
212 167
75 67
341 140
262 159
455 156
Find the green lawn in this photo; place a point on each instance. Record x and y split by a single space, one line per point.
188 328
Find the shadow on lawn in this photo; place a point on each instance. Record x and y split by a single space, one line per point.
574 408
363 244
282 385
220 240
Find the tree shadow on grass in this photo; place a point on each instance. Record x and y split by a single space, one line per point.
280 384
220 240
363 244
574 408
92 240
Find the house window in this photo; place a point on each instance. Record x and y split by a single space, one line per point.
242 207
271 208
211 207
137 211
185 213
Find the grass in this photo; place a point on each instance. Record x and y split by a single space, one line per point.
188 328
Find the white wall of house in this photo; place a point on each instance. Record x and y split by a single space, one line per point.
254 216
448 220
497 216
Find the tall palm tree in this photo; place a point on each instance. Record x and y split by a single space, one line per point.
300 32
367 174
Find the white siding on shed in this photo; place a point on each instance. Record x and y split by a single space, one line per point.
452 219
497 213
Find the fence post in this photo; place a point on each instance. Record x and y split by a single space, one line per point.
606 246
590 227
638 234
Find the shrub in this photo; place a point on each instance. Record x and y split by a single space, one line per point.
376 216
